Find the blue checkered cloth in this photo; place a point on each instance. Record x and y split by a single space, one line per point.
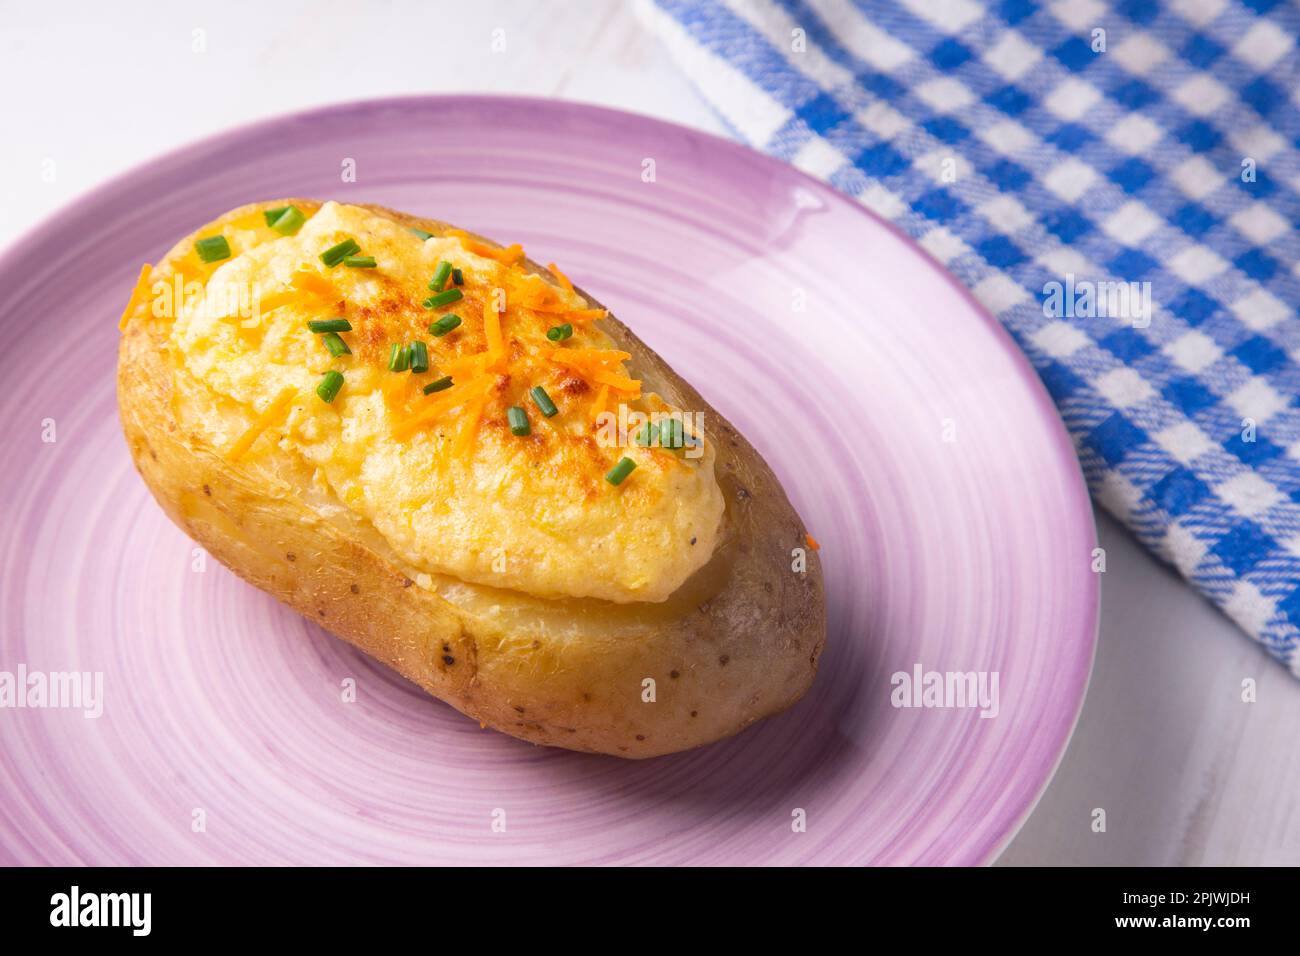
1085 143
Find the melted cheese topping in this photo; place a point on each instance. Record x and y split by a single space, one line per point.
441 477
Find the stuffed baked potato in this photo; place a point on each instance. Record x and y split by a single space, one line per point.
459 463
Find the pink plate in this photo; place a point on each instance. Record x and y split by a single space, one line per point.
912 436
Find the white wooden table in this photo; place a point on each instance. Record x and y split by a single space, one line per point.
1186 771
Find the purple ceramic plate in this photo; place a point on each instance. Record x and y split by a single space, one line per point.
912 436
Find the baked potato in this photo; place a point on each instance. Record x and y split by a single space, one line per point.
463 465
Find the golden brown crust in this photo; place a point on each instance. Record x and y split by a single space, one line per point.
738 642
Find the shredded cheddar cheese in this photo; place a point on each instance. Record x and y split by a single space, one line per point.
560 277
279 299
618 382
600 367
469 426
577 357
534 292
469 366
549 302
585 315
312 282
459 394
508 256
602 398
137 295
492 330
273 413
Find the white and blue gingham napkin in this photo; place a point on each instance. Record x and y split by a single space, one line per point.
1087 144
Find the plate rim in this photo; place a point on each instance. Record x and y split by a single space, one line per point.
46 229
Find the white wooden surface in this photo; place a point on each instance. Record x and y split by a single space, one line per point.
1186 772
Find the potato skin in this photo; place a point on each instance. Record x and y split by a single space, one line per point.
747 648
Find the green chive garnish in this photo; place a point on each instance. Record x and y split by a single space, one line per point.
359 262
271 215
457 277
337 347
335 344
444 325
419 357
647 435
518 420
543 401
289 221
399 358
421 233
329 386
445 297
620 471
670 433
330 325
212 249
440 276
438 386
336 254
558 333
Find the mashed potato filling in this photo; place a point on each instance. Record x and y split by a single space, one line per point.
461 496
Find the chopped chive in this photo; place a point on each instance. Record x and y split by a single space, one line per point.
444 325
330 325
620 471
558 333
440 275
336 254
212 249
543 401
271 215
518 420
399 358
648 435
337 347
359 262
421 233
289 221
457 277
438 386
670 433
419 357
445 297
329 386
